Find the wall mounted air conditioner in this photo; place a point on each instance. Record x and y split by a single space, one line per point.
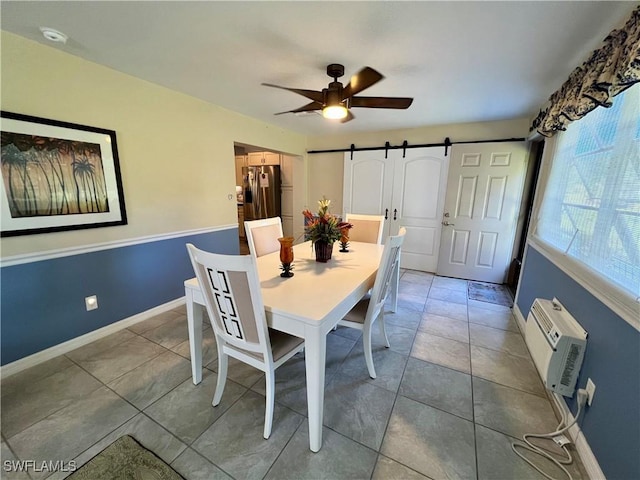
556 342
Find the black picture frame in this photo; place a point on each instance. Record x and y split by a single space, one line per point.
58 176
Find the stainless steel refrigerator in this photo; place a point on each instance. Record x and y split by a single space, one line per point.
261 189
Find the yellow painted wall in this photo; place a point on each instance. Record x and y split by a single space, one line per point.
325 170
176 152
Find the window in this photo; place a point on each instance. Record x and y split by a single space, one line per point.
591 206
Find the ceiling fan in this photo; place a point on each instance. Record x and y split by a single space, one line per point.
335 101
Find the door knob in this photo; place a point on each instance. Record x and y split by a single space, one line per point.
447 224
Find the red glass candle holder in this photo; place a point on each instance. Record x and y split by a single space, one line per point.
286 256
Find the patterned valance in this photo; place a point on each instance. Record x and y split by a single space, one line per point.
610 70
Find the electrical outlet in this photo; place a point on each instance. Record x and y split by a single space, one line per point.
591 390
91 302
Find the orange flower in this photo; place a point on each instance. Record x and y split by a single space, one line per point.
323 226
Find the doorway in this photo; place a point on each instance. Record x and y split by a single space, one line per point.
483 197
536 148
284 171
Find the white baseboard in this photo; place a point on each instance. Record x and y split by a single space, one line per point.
62 348
520 320
589 460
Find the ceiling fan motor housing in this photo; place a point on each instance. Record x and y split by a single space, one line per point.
335 70
333 94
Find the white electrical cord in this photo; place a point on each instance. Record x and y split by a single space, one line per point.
582 400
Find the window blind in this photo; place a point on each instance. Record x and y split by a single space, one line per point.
591 205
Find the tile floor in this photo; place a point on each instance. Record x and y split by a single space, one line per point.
454 390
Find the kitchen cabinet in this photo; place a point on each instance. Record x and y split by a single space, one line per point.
286 177
241 221
241 161
286 170
257 159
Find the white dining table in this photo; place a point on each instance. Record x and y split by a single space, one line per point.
307 305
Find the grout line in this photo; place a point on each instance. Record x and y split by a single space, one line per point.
473 405
286 443
196 452
395 400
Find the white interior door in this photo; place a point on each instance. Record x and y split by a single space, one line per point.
417 203
409 190
483 197
368 183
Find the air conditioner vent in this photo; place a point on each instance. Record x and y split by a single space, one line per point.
544 320
574 352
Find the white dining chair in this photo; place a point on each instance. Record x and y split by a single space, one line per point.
366 228
233 299
371 308
262 235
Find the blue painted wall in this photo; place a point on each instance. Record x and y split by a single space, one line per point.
43 302
612 360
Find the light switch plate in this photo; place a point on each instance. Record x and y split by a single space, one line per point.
91 302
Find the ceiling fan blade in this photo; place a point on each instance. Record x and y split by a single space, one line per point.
361 80
381 102
310 94
307 108
349 117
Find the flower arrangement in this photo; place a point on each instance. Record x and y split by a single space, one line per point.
323 227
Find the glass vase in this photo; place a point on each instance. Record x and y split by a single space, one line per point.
286 256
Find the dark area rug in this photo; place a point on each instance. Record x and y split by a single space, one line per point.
489 293
125 459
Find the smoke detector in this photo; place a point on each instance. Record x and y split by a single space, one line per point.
53 35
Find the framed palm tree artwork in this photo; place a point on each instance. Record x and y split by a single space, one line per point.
58 176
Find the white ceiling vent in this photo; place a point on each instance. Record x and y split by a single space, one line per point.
53 35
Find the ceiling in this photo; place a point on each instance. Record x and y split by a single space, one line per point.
460 61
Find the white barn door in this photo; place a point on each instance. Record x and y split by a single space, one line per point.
417 203
368 184
408 189
484 191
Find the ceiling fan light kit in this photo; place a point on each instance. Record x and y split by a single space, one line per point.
334 111
335 101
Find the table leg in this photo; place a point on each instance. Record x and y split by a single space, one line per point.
194 324
314 357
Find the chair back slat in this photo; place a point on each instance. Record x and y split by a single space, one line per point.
231 290
388 264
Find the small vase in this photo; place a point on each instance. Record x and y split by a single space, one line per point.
344 238
323 251
286 256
